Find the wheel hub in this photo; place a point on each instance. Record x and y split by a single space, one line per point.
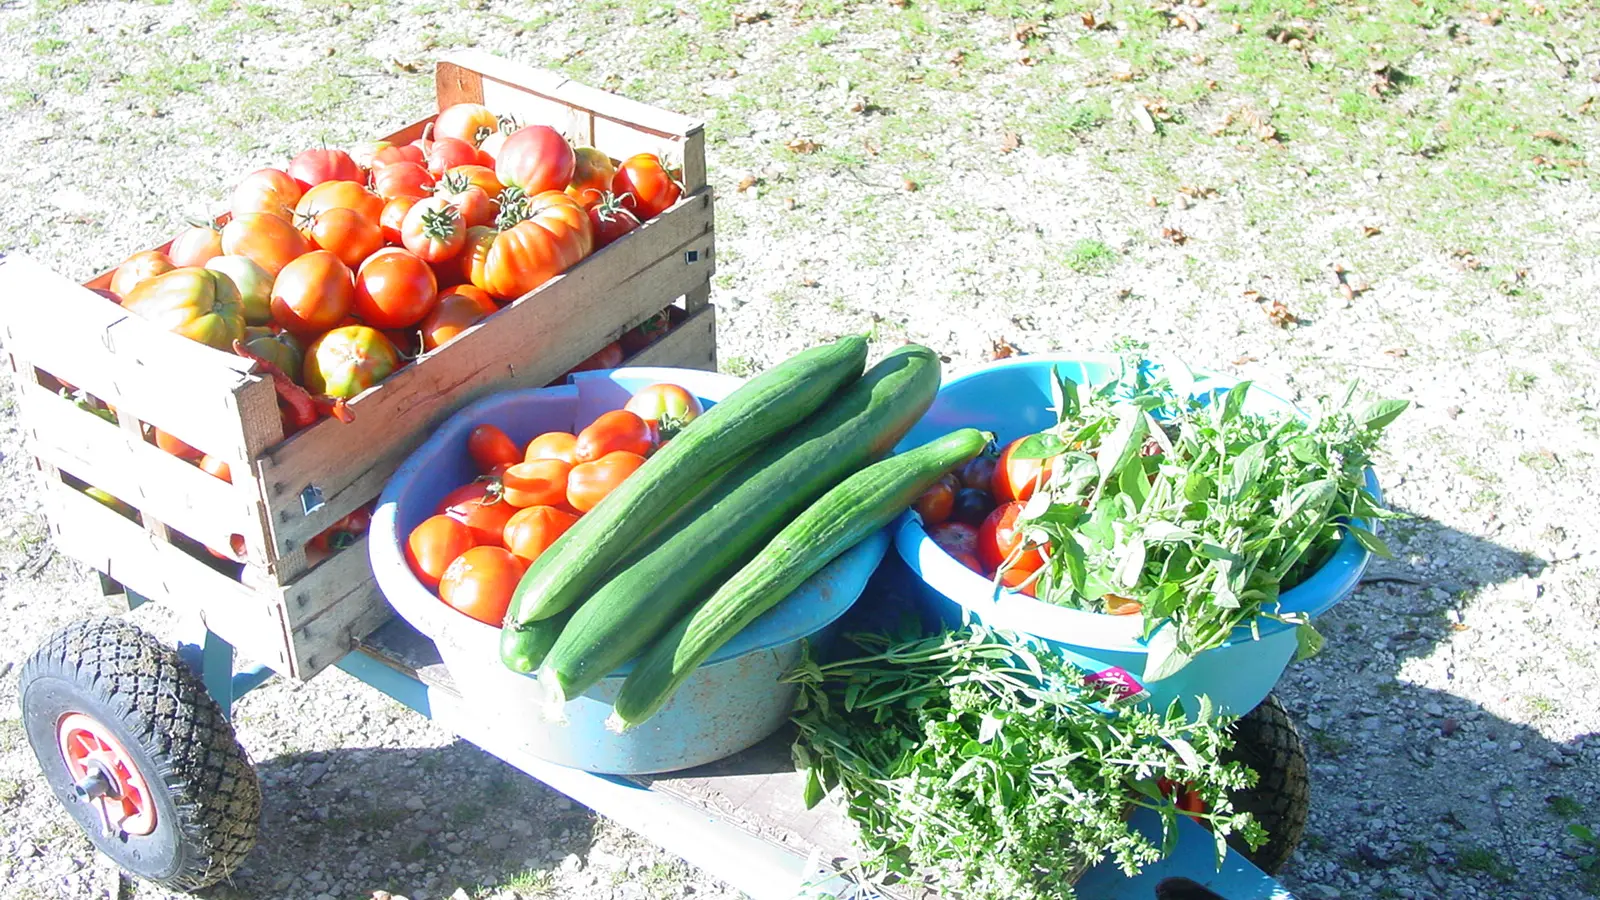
104 776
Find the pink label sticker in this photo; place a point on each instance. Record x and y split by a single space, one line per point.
1124 687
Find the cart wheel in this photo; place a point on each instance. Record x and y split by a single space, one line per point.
140 754
1265 739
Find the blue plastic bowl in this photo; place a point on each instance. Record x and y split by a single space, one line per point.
1012 398
732 701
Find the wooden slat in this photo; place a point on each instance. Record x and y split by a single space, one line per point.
332 607
180 386
165 488
691 345
455 70
98 537
528 343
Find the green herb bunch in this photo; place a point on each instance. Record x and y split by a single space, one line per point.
1202 513
972 761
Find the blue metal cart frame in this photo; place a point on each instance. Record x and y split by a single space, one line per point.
756 866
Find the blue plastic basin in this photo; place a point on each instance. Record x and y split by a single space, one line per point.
1012 398
733 700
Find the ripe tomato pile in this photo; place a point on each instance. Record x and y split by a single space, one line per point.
484 534
338 269
974 515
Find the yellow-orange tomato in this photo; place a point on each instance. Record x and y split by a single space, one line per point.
455 312
269 191
591 176
529 532
618 429
339 194
562 445
589 483
345 233
540 482
141 266
267 240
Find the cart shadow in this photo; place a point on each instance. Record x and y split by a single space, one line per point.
1419 791
414 822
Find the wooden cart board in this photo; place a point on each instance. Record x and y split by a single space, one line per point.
296 613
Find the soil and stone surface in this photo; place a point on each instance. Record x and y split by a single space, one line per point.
1300 192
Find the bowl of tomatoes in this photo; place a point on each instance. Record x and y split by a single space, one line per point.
498 483
968 549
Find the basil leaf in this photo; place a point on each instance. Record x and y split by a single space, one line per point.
813 790
1308 641
1163 658
1071 554
1122 444
1132 565
1383 412
1135 484
1166 532
1232 403
1374 544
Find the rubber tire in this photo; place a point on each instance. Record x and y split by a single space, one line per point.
1266 740
207 795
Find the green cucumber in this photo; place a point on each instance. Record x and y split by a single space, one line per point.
523 649
860 505
681 566
765 406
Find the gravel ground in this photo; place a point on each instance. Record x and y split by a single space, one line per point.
968 175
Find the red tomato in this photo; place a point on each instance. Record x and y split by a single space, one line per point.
475 205
402 179
448 152
199 244
470 122
666 408
339 194
1016 479
590 482
537 159
394 216
344 532
647 332
480 509
313 167
141 266
934 504
364 153
480 583
345 233
956 538
471 263
348 360
645 186
454 313
269 191
591 176
539 482
408 153
489 447
433 230
480 177
529 532
394 289
1001 535
552 236
269 241
174 446
613 431
560 445
607 357
216 468
312 293
610 220
434 545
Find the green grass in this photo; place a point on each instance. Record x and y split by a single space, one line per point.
1088 256
1564 806
1484 861
532 883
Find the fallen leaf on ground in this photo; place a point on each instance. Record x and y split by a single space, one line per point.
1003 349
1175 235
1247 358
1493 17
908 184
750 18
1253 296
808 282
803 145
1027 31
1371 231
1278 313
1010 141
747 182
1397 352
1088 20
1550 136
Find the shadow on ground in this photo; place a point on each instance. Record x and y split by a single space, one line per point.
408 821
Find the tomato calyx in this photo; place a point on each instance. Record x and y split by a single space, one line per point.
515 207
440 224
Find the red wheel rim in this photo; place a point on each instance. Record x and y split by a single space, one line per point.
89 749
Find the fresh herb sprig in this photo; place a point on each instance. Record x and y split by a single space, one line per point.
1201 513
972 761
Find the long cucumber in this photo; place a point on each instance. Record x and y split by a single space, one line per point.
680 566
765 406
860 505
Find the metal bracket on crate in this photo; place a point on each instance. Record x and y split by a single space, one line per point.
311 499
691 256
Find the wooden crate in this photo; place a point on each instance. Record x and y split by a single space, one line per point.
295 614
